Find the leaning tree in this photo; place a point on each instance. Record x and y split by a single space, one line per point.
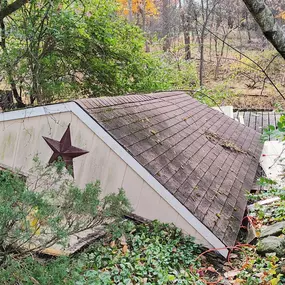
268 24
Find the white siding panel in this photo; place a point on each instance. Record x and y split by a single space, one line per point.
8 142
21 139
93 164
31 142
148 203
166 213
27 140
132 184
62 121
113 174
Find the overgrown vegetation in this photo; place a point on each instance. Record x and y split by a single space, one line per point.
268 269
59 50
144 254
50 209
66 49
262 264
260 270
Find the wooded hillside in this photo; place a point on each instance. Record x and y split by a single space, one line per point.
59 50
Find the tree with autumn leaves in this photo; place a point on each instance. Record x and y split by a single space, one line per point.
138 12
136 9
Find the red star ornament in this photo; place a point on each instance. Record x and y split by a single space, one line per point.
64 149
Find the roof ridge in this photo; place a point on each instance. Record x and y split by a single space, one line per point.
127 99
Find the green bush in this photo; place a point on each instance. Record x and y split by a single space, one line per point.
84 49
215 96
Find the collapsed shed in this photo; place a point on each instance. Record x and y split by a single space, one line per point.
178 160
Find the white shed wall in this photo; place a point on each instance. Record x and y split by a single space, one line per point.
21 140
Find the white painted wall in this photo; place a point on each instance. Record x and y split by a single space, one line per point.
21 140
227 110
272 160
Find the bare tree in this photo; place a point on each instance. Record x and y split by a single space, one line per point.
185 21
268 24
224 22
206 8
166 25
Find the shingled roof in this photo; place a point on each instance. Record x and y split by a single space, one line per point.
204 158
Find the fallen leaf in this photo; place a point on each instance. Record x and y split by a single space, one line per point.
272 271
274 281
125 249
232 273
281 15
238 281
259 274
211 269
227 268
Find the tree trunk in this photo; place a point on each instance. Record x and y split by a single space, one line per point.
187 45
165 25
248 28
143 16
9 69
268 24
166 44
15 92
201 68
210 49
130 7
186 32
6 100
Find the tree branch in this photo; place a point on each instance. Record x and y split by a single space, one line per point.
268 24
260 68
11 8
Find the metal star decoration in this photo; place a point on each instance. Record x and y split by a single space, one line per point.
64 149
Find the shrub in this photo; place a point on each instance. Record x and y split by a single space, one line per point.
215 96
50 209
253 77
